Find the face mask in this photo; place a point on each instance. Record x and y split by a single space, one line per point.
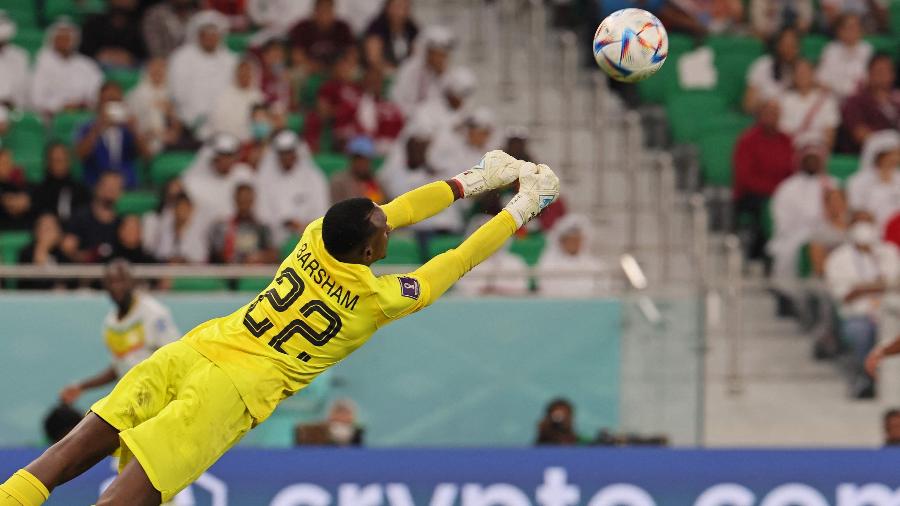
864 234
260 130
341 433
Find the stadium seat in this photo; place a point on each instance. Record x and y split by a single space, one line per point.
684 112
310 90
665 82
889 44
66 124
716 149
198 285
812 45
169 165
10 245
842 166
733 56
331 163
26 140
78 10
29 39
24 13
137 202
288 246
443 243
254 285
529 248
294 122
402 251
238 42
895 18
127 78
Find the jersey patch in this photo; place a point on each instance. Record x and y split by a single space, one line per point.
409 287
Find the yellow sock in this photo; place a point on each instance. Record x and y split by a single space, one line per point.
23 489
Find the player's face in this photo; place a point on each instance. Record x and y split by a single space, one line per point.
378 243
119 286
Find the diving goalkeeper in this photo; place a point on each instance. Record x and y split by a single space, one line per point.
174 414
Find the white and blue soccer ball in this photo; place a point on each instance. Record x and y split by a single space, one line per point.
631 45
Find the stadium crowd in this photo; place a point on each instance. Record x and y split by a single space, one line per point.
214 131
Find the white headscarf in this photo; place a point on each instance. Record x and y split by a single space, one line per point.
415 82
561 274
59 81
14 74
211 192
861 183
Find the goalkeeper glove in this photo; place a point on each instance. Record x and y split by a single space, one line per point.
495 170
538 188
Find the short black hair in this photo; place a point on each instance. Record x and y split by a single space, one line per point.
346 226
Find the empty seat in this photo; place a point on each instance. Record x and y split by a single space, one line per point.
716 150
688 111
137 202
402 251
11 243
169 165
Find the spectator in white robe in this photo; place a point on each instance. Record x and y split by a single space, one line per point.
232 108
503 274
153 109
844 63
808 110
64 79
447 109
567 268
798 212
883 196
213 177
419 78
200 70
861 183
293 190
14 72
463 147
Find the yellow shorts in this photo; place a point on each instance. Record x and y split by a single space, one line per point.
176 413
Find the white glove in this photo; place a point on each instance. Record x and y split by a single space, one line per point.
538 188
495 170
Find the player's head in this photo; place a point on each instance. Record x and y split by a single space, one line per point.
119 282
355 231
892 427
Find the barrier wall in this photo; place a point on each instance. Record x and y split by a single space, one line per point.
465 372
592 477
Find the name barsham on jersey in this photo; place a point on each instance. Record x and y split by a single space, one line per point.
321 277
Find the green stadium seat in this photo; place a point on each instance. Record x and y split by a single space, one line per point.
310 89
23 12
687 112
895 17
10 245
812 45
843 166
26 139
331 163
66 124
254 285
294 122
77 10
529 248
238 42
889 44
733 56
716 149
665 82
443 243
29 39
288 246
804 262
402 251
137 202
169 165
127 78
198 285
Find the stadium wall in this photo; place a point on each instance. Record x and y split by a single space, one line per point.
466 372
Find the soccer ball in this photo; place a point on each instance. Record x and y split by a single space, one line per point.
631 45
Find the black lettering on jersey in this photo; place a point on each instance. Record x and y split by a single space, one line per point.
328 284
320 275
303 258
336 294
349 304
312 266
281 304
301 250
256 328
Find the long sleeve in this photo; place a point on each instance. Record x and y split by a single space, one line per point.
419 204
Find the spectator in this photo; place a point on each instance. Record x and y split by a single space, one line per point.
771 74
884 197
275 79
842 67
419 77
763 158
769 16
152 221
567 268
180 236
339 429
200 70
874 13
165 26
875 107
110 141
214 173
828 235
317 41
862 184
339 94
13 67
114 37
60 194
296 191
504 273
243 238
388 40
373 115
557 427
16 206
234 10
797 212
715 16
857 274
262 123
892 230
447 110
358 180
129 245
151 103
807 110
44 250
892 427
231 110
465 146
91 233
4 121
63 78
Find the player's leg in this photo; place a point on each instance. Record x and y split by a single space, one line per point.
131 488
86 445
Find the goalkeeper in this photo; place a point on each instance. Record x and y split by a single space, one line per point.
174 414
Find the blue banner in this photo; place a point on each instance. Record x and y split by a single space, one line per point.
591 477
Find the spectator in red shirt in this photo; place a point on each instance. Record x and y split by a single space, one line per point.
319 40
876 106
892 230
371 114
763 158
275 80
340 93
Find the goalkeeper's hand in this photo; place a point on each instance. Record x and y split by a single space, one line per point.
495 170
538 188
